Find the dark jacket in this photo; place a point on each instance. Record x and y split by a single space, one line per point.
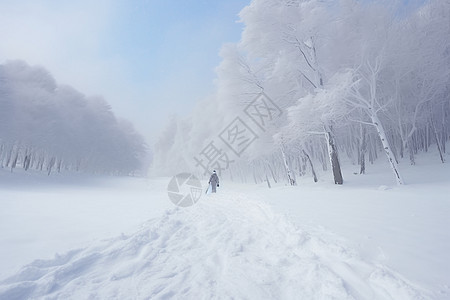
214 179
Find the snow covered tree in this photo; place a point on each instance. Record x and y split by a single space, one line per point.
351 78
49 127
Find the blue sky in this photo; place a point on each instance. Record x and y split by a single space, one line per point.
148 58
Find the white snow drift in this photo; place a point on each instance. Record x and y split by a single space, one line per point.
226 247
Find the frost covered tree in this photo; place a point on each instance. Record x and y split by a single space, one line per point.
354 79
49 127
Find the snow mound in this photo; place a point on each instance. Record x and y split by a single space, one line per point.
226 246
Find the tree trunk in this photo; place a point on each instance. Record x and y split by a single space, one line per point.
412 160
288 170
299 166
387 148
268 182
272 173
8 156
26 162
362 149
59 165
312 166
304 160
50 165
438 143
14 162
334 159
41 162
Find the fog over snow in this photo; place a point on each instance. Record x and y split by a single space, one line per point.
149 59
258 149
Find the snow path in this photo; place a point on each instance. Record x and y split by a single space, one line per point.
226 247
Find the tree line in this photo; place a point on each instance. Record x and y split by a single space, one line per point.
356 80
49 127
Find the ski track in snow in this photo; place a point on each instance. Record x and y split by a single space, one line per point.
225 247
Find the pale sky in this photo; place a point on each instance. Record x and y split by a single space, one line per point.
148 58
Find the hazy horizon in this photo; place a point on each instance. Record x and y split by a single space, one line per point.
148 59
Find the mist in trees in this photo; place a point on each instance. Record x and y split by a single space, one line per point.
50 127
356 80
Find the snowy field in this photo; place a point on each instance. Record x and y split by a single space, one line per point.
70 237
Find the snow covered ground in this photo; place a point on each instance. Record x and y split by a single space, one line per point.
121 238
41 216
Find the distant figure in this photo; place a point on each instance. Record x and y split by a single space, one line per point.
214 181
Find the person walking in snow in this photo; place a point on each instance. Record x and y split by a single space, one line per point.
214 181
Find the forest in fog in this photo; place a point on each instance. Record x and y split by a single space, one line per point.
311 85
315 84
49 127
